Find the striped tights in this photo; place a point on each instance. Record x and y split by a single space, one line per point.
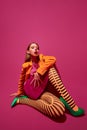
56 81
48 103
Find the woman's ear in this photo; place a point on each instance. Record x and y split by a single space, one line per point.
27 52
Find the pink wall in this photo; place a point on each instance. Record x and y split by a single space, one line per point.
60 27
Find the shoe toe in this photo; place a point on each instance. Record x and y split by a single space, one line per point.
14 102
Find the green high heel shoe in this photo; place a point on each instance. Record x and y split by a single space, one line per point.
16 99
80 111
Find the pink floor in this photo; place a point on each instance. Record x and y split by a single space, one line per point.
60 27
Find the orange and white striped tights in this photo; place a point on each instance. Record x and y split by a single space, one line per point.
48 103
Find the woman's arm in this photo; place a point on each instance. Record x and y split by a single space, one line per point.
20 84
21 81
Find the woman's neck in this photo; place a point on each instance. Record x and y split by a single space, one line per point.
34 59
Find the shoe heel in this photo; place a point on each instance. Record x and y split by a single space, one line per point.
80 111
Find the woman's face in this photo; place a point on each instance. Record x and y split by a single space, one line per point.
34 49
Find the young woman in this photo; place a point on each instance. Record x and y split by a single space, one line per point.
37 72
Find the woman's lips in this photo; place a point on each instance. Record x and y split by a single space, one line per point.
35 52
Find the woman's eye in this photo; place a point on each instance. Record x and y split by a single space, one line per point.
32 47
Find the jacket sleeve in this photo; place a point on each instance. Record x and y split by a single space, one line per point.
21 81
45 64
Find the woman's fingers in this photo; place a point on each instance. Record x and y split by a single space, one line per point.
13 94
32 82
36 82
40 81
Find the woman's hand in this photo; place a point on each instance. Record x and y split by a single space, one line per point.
36 80
14 94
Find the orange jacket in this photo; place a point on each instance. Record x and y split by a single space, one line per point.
45 63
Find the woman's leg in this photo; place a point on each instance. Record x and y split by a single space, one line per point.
56 81
48 104
66 98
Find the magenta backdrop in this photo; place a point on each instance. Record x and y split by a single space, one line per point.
60 27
